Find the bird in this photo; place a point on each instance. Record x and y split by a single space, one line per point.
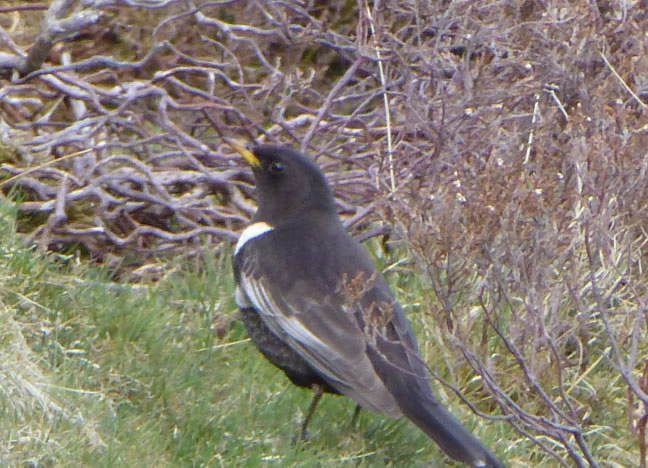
316 306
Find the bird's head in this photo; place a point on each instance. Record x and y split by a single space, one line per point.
288 182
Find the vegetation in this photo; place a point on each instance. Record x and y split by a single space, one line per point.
497 148
102 374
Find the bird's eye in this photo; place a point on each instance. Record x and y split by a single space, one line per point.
276 167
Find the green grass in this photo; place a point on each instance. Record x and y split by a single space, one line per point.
94 373
99 374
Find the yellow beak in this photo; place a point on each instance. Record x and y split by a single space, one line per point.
243 151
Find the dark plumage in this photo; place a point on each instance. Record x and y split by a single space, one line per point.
315 305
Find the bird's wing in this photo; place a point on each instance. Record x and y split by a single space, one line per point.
314 322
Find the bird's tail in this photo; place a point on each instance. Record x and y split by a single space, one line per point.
395 357
441 426
405 377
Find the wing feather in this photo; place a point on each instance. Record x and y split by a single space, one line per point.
325 336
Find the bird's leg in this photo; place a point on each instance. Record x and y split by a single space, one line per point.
354 418
319 391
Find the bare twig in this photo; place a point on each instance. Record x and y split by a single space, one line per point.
622 81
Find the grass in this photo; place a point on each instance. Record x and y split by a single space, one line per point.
94 373
99 374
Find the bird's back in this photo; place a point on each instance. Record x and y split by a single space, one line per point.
331 281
